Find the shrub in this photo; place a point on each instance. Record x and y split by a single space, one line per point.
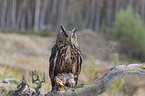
129 30
90 70
116 87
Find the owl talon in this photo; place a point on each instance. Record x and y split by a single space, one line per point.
63 81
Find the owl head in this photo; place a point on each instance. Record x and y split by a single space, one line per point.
68 37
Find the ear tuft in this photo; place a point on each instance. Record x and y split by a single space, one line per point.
62 28
75 29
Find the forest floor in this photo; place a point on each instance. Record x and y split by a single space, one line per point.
24 53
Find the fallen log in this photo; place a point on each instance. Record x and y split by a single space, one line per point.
99 86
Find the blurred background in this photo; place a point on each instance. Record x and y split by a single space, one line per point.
111 32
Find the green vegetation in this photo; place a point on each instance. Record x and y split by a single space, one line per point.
7 72
129 30
115 88
45 86
90 70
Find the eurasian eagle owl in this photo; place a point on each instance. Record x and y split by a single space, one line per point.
66 56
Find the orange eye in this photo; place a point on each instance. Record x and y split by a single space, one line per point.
73 36
65 36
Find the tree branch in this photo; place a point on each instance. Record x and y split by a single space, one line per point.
99 86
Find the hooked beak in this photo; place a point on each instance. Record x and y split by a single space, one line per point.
70 39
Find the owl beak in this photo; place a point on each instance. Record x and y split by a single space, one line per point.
70 39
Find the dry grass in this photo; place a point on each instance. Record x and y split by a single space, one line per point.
29 52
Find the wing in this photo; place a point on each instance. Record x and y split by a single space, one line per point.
80 59
52 64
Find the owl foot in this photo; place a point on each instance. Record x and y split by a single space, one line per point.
64 80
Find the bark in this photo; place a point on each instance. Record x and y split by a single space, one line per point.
99 86
98 15
61 14
23 20
37 13
43 16
29 15
142 10
109 14
8 16
49 15
87 18
102 26
53 18
92 14
14 5
3 17
19 16
116 6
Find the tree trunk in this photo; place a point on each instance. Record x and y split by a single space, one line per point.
43 15
29 15
116 6
87 18
109 15
14 5
92 15
61 12
3 17
53 18
142 10
36 18
8 16
98 15
23 20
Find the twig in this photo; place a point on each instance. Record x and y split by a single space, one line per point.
23 84
38 82
20 89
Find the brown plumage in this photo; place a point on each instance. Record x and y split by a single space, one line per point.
66 55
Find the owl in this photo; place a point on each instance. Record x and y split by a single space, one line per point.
66 56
